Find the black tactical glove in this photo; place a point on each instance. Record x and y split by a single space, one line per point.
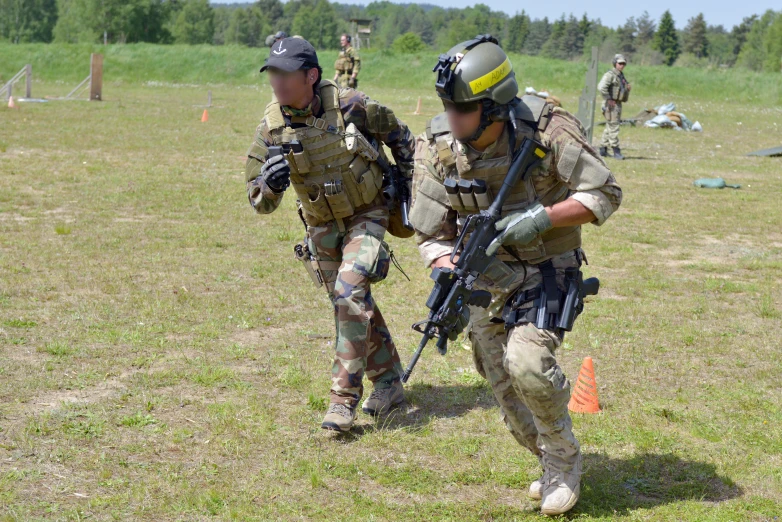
276 173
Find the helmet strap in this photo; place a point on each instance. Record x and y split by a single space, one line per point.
491 113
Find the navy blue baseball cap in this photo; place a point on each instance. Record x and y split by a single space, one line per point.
291 54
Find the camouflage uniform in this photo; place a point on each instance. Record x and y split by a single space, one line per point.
350 251
346 65
613 86
519 363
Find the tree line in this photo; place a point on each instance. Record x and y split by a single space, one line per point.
755 43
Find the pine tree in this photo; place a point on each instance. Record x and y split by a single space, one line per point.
645 28
572 44
740 32
695 40
539 33
585 26
626 36
666 40
517 30
553 46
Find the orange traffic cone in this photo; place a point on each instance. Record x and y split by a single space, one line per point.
418 107
205 117
11 104
584 396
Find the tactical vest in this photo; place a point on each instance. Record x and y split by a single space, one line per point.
344 63
618 88
335 174
539 186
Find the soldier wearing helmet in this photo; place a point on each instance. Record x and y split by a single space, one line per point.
462 159
276 37
615 90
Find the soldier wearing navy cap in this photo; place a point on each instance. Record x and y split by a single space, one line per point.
325 142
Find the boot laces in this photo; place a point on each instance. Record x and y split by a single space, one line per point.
340 409
380 395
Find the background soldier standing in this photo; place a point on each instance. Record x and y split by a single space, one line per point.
274 38
474 140
327 155
615 90
348 64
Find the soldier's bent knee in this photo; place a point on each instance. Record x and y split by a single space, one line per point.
530 359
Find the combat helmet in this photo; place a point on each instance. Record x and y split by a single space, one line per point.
476 72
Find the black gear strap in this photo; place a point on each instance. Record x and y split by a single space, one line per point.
549 307
545 298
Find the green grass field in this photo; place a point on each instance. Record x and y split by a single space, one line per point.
162 357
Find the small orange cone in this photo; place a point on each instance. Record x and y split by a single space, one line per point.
11 104
418 107
205 117
584 396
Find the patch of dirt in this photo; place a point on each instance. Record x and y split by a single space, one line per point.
23 354
258 336
606 293
10 216
50 401
135 218
718 251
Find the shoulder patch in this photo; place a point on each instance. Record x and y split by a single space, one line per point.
562 118
329 94
273 116
437 125
532 109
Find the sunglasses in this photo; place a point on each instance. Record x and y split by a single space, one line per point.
461 108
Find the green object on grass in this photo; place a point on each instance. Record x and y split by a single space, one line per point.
717 183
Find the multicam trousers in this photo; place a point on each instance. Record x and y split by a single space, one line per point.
520 365
350 260
611 132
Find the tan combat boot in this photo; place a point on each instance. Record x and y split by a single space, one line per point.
384 400
561 490
536 488
339 417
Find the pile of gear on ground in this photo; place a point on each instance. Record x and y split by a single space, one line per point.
666 117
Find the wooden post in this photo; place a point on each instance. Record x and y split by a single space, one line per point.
96 77
29 77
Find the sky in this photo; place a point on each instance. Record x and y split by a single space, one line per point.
613 13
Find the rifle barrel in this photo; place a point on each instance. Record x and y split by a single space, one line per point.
416 355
